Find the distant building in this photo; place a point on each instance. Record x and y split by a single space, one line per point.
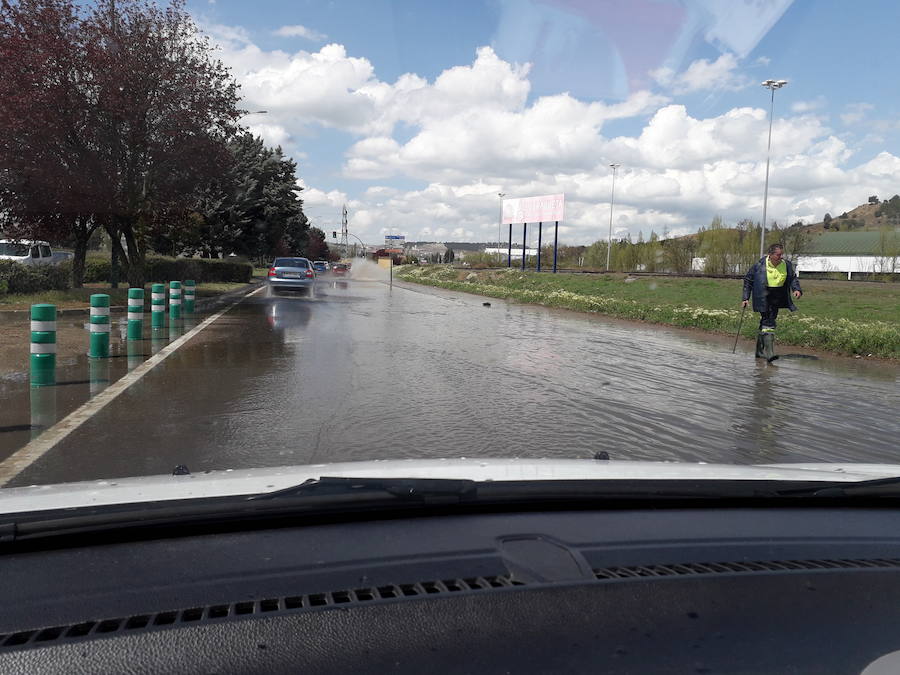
849 252
843 252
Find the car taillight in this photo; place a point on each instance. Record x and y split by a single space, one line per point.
272 272
309 274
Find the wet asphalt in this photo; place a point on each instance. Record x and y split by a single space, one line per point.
363 371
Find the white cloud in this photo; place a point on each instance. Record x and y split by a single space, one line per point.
473 131
301 31
808 106
855 112
702 74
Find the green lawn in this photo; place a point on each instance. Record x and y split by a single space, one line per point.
846 317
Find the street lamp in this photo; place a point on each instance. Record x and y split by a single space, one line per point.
773 85
500 224
612 197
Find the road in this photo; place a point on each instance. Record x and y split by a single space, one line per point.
364 371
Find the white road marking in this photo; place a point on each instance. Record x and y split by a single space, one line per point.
24 457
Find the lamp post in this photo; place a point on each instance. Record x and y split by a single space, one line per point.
500 224
773 85
612 197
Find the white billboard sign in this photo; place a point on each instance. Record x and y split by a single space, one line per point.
394 240
546 209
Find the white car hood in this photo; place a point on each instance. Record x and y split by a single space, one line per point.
250 481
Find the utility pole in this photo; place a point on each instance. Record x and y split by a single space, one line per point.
500 225
773 85
612 198
345 243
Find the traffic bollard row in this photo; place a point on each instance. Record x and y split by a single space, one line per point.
190 289
135 313
158 305
99 348
43 327
43 345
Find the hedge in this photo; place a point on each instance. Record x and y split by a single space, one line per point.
161 269
18 278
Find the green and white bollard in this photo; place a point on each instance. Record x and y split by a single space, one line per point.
135 313
158 305
99 326
43 345
189 295
174 300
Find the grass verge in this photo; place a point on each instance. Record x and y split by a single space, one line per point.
843 317
79 298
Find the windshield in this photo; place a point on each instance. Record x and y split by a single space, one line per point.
290 262
18 250
654 231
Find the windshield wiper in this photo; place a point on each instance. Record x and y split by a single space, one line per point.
426 490
877 487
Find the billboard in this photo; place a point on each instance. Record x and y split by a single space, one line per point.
546 208
394 240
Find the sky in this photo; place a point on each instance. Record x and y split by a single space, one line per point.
418 114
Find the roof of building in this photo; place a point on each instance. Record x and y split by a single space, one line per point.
848 243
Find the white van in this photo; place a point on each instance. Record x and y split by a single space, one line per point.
30 252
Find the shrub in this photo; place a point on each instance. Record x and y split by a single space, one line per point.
19 278
161 269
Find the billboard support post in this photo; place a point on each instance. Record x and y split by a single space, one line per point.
555 239
509 250
540 227
524 243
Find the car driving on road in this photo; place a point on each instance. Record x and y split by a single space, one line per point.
292 274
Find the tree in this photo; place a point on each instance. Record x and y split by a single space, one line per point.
316 246
874 199
796 242
826 219
51 169
112 115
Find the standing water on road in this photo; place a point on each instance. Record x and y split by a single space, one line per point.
365 372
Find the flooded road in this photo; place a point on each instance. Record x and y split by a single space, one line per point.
365 372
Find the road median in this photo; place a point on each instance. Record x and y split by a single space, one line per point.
854 318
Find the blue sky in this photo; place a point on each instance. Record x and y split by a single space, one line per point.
418 113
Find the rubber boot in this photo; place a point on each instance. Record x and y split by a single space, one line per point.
768 340
760 354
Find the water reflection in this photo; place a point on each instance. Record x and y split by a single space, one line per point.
99 375
158 339
760 425
43 409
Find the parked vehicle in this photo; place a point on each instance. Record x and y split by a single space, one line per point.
292 274
31 252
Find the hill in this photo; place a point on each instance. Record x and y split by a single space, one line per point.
873 216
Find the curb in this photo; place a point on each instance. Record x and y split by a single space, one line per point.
200 304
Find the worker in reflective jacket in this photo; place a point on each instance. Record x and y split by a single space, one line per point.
771 281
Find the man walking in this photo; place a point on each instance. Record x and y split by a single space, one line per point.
772 280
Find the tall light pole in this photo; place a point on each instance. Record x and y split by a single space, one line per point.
500 224
773 85
612 197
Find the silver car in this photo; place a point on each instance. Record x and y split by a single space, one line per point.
292 274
